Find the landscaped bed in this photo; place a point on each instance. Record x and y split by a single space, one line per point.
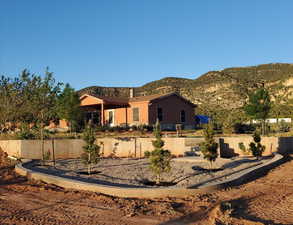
185 172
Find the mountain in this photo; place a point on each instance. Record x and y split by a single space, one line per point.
227 89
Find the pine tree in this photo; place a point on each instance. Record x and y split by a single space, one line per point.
160 159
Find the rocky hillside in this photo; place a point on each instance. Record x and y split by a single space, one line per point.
226 89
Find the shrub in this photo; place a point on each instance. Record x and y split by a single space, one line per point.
256 147
159 158
147 154
243 148
91 153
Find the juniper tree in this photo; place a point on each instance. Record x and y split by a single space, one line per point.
160 159
256 147
91 153
209 146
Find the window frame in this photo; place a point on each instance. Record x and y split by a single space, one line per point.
135 114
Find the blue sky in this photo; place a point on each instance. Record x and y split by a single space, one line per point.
131 42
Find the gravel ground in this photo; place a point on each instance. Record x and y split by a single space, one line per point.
185 172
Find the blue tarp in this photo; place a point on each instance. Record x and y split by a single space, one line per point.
202 119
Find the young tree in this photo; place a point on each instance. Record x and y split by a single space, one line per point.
256 147
259 106
160 159
91 153
209 146
41 94
68 107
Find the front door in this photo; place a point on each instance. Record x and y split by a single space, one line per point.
111 118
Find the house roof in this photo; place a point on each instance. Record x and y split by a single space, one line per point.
147 98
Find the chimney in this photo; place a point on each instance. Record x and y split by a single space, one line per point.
131 92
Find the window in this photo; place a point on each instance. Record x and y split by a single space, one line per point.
160 114
135 114
182 116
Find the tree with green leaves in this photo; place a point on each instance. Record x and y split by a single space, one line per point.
91 153
256 147
68 107
209 147
160 159
259 106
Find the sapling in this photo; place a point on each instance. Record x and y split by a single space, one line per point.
209 146
160 159
91 153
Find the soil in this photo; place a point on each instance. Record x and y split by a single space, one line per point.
266 200
185 172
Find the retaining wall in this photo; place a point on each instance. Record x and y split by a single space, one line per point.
135 147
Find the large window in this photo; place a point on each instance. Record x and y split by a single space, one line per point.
135 114
160 114
182 116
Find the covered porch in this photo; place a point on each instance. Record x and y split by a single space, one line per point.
103 110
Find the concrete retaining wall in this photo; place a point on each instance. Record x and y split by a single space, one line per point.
135 147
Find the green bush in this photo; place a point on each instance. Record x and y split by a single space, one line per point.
256 147
243 148
147 154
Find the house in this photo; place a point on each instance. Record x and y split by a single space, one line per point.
170 109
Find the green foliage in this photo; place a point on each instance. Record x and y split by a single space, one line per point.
243 148
284 127
160 159
68 107
256 147
209 146
259 106
91 153
26 133
47 155
147 154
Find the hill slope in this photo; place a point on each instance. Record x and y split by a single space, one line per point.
226 89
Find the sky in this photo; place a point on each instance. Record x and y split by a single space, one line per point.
132 42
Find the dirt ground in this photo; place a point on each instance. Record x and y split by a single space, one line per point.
267 200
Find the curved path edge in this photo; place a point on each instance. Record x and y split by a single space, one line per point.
130 192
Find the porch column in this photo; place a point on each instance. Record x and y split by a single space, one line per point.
102 114
126 122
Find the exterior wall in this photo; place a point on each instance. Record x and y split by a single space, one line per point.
120 117
143 113
172 107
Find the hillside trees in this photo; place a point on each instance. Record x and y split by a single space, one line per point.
259 106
